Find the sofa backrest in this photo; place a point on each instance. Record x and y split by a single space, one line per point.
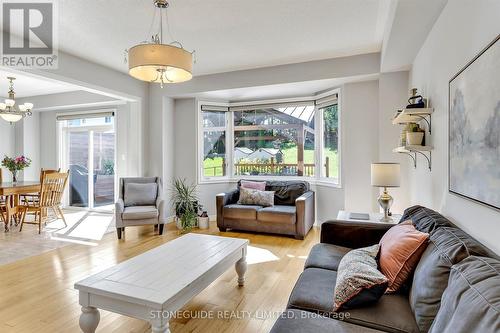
447 247
471 302
425 219
285 191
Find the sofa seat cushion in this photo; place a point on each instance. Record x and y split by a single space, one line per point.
242 212
471 302
325 256
278 214
447 247
308 322
140 213
314 292
392 313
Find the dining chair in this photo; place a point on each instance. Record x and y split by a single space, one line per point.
51 192
31 197
3 208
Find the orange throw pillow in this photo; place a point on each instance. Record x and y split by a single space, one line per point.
400 250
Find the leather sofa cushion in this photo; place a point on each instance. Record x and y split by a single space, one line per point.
278 214
425 219
308 322
314 292
242 212
471 302
447 246
285 191
325 256
140 213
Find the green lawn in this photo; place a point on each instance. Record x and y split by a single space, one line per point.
213 166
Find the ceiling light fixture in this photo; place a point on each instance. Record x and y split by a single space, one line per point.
7 110
154 61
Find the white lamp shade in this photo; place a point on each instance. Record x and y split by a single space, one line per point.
146 61
28 106
3 106
386 174
10 102
11 118
22 107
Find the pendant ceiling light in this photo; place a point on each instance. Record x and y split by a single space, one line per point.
8 112
155 61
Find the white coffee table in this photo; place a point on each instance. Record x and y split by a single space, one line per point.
374 217
159 282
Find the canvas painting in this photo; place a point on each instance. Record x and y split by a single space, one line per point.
474 129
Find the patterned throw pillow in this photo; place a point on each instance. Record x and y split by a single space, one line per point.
256 197
359 282
261 186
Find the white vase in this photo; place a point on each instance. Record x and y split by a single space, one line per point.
414 138
203 222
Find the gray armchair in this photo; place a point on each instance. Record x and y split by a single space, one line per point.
140 203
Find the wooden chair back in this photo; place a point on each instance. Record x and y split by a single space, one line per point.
1 177
46 172
52 189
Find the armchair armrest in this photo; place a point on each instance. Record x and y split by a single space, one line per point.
353 234
223 199
305 214
162 210
119 208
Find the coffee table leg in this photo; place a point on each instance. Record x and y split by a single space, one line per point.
89 319
241 268
157 328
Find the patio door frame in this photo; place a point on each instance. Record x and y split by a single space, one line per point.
63 157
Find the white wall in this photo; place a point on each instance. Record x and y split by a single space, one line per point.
464 28
393 93
359 121
7 139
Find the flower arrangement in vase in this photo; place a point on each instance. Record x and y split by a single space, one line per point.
14 165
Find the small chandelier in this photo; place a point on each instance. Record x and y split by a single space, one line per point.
7 110
157 62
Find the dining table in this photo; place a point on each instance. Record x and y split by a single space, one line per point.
11 192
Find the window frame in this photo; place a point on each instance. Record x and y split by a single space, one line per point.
319 178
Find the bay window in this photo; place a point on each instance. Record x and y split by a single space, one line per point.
293 139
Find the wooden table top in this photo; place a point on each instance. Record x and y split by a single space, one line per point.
19 187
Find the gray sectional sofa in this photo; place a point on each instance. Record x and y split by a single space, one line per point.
455 287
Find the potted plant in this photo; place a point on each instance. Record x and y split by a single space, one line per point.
15 165
203 219
415 136
185 203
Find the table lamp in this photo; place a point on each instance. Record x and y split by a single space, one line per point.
386 175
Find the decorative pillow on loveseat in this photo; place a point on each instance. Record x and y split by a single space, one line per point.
256 197
359 282
261 186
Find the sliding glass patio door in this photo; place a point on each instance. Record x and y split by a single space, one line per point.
87 150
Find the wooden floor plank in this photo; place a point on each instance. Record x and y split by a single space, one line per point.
37 293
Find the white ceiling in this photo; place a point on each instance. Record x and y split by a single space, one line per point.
287 90
28 85
227 35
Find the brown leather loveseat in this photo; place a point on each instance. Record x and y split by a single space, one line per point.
293 212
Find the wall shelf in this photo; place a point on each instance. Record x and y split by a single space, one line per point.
414 116
412 151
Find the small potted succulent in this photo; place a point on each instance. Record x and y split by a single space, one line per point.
14 165
415 136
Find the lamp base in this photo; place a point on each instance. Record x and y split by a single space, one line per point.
385 201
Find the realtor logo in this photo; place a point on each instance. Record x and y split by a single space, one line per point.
29 34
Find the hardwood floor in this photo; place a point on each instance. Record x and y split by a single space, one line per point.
37 295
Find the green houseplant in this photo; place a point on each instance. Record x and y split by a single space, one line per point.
185 203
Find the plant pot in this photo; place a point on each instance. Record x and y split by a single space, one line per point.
414 138
203 222
178 223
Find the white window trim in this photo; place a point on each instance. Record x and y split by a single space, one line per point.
318 179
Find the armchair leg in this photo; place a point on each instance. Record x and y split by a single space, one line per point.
222 229
119 232
160 229
299 237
